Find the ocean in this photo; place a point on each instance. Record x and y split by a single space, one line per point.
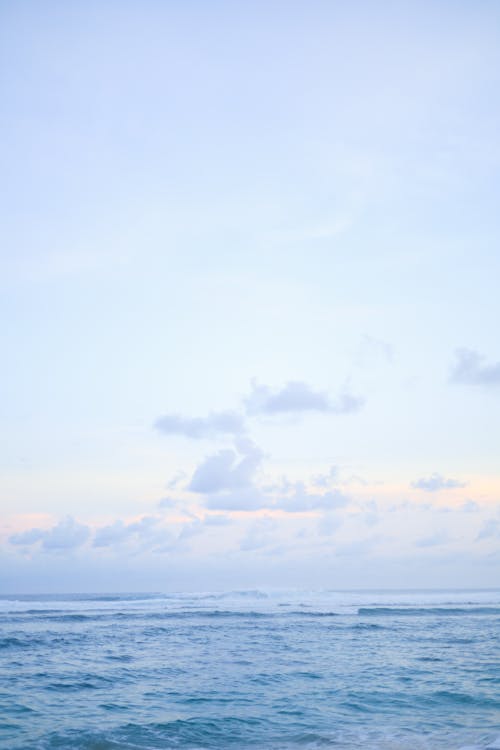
388 670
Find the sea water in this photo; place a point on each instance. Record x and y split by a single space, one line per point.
251 669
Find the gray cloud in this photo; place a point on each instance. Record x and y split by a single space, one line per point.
435 483
198 428
65 535
228 469
297 397
468 369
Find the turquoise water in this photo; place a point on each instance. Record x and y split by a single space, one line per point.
388 670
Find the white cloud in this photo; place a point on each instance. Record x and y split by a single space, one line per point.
470 506
490 529
325 480
113 534
301 500
298 397
167 502
433 540
259 535
65 535
373 350
27 537
436 482
118 532
197 428
468 369
217 519
227 469
328 524
248 498
191 529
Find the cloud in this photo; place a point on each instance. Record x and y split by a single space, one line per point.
67 534
371 514
259 535
468 369
346 403
435 483
191 529
328 524
325 480
228 469
297 397
198 428
247 499
217 519
226 479
174 482
167 502
113 534
373 350
301 500
432 541
27 537
490 529
118 532
470 506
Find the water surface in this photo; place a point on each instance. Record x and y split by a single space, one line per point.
251 669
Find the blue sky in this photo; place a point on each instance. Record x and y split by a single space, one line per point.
249 291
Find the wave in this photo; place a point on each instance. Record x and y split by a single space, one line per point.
403 611
237 733
238 594
182 733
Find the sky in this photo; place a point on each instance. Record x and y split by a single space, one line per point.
249 295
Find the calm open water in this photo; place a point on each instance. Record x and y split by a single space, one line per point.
244 670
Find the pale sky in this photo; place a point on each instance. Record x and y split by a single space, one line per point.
250 294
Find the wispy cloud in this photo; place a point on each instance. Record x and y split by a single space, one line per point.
298 397
259 535
65 535
469 369
433 540
490 529
437 482
119 532
301 500
372 351
198 428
